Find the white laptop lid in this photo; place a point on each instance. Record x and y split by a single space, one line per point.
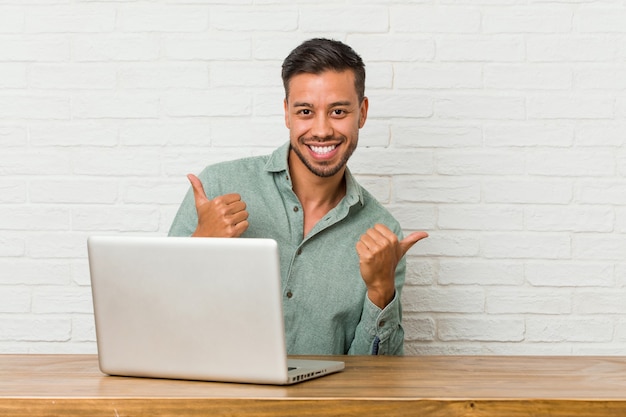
191 308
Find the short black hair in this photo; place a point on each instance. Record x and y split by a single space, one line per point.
318 55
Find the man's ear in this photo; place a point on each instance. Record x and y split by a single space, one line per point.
363 112
286 109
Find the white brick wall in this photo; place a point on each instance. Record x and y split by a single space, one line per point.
498 126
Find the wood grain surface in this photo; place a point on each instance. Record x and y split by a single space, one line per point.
66 385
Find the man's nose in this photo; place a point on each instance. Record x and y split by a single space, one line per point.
322 127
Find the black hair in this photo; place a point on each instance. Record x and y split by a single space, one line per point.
318 55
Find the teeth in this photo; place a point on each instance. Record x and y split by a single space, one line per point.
322 149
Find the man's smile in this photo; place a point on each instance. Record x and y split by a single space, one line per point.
322 150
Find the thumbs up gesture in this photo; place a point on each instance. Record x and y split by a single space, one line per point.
224 216
379 253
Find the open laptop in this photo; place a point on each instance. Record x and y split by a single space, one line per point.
193 308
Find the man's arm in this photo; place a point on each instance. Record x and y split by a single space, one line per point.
186 218
382 266
380 331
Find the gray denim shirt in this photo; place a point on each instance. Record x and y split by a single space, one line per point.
325 303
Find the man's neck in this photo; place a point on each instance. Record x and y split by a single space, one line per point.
315 190
317 195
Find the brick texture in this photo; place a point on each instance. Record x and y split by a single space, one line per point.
496 125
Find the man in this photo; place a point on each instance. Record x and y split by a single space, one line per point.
342 263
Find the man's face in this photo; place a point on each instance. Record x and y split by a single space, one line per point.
323 115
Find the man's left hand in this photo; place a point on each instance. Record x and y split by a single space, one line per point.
379 253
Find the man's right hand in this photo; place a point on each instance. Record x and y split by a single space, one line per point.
224 216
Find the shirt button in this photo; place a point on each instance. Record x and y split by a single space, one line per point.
299 251
289 294
381 323
296 209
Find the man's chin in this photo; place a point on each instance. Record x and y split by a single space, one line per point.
322 169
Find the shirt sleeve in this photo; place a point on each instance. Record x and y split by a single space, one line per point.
380 331
186 219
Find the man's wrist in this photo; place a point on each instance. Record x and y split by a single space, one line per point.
381 298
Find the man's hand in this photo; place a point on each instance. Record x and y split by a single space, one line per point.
379 253
224 216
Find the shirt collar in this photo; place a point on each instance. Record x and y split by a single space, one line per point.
277 162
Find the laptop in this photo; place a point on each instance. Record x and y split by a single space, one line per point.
205 309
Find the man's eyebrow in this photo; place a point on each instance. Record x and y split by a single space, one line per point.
335 104
341 103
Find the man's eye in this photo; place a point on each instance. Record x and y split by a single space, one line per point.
305 112
338 112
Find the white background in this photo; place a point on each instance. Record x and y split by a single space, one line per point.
498 126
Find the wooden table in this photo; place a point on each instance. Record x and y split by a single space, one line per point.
65 385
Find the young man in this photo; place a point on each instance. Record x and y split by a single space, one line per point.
341 256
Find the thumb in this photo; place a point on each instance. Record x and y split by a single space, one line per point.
198 190
409 241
